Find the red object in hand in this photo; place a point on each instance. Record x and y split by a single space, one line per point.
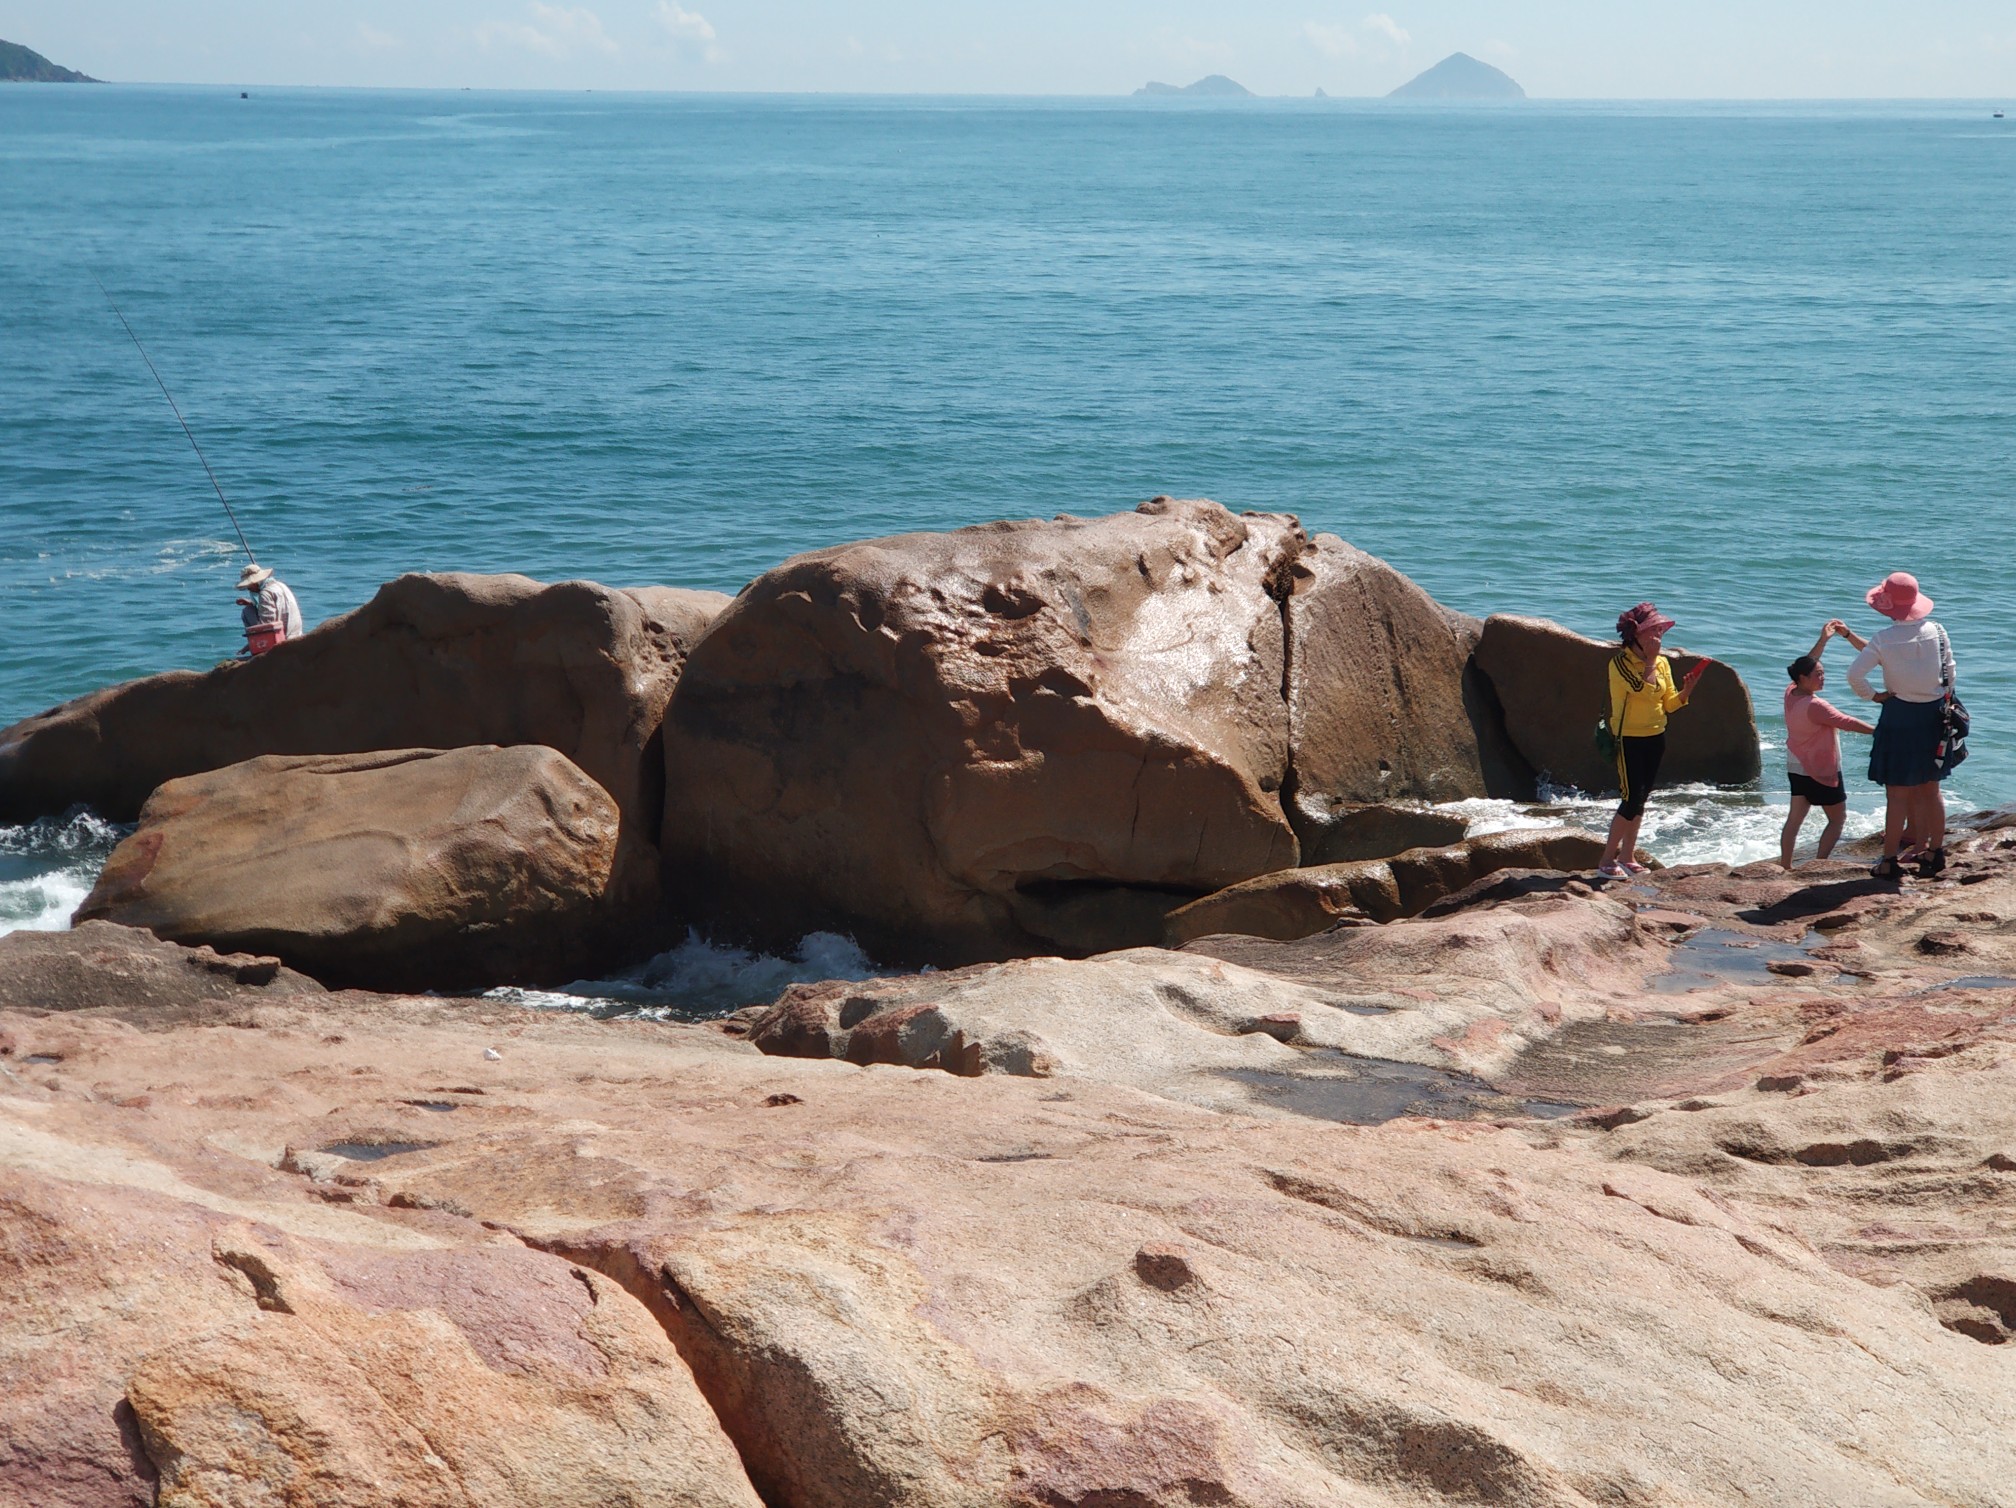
1699 669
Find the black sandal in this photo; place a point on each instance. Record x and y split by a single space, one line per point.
1931 863
1887 869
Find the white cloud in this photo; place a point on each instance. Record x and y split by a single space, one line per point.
561 31
690 31
683 23
1385 26
1370 38
1331 40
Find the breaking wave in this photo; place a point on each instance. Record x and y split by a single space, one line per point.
48 866
1684 824
700 979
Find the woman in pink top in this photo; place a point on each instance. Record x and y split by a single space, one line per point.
1813 748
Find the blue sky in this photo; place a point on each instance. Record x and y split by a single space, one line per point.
1602 49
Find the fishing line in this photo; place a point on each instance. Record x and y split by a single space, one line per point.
181 421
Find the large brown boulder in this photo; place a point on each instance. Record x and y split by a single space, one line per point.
430 662
1020 737
1299 902
1553 685
415 869
1383 703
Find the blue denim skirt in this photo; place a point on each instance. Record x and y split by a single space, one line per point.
1905 749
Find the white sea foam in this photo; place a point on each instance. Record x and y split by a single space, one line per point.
1687 824
48 866
700 978
43 903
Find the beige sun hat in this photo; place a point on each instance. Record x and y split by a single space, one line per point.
254 575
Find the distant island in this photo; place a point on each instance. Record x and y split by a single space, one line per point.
24 65
1216 86
1460 76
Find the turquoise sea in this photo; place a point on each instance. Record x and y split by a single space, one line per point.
1549 358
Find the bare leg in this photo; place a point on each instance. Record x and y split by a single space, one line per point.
1616 837
1837 817
1789 836
1896 807
1627 838
1931 815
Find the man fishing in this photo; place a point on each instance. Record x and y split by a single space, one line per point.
271 606
271 614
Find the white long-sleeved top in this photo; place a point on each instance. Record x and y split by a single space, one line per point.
1914 656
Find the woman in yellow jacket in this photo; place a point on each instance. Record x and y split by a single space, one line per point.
1642 693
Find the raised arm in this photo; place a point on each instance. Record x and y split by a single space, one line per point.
1858 673
1836 626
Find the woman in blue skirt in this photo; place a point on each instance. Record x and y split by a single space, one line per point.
1918 670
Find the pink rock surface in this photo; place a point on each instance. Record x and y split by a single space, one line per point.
893 1286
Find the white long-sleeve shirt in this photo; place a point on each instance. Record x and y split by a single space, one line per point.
1914 656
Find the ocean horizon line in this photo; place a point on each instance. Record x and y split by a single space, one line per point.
1132 97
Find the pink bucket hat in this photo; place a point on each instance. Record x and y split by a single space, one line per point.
1898 597
1643 618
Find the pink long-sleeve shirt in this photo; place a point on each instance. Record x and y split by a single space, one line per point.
1813 735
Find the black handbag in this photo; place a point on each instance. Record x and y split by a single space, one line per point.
1954 723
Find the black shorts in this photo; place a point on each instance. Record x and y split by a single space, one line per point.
1637 768
1815 792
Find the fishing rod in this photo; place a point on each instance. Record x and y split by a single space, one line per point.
181 421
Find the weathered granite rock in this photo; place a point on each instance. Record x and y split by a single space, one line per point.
1345 831
1263 1026
416 869
430 662
1011 738
100 966
1383 703
922 1289
198 1337
1293 903
1552 686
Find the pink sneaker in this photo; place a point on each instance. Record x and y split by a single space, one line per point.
1612 871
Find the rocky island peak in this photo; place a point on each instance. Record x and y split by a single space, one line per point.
1212 86
24 65
1460 77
